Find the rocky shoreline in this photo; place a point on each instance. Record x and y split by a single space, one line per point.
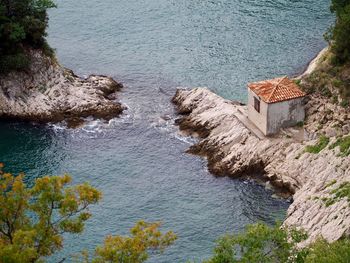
47 92
281 161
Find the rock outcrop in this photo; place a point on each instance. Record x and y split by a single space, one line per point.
47 92
233 150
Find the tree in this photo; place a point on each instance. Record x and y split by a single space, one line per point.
339 34
260 243
23 24
323 252
33 219
145 237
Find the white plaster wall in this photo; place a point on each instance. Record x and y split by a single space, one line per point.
284 114
259 119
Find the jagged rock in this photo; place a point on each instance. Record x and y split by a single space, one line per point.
330 132
47 92
346 129
233 150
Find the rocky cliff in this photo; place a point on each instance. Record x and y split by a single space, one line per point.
233 150
47 92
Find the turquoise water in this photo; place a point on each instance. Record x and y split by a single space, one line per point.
139 160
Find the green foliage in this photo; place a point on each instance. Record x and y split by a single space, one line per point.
300 124
144 238
319 146
32 221
339 34
330 81
344 103
324 252
326 92
339 193
260 244
331 76
23 24
297 81
17 61
344 145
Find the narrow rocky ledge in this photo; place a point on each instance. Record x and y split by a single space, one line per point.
47 92
233 150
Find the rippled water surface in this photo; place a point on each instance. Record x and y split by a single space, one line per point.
139 160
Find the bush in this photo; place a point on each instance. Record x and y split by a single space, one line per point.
260 243
339 34
14 62
23 24
324 252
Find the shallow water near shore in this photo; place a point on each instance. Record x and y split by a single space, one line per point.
138 160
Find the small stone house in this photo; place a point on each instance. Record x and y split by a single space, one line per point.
274 104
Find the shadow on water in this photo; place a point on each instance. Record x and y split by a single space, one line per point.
29 148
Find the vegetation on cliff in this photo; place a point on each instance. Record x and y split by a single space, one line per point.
343 142
344 145
339 34
23 24
260 243
332 76
319 146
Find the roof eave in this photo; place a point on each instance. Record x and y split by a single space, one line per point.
272 102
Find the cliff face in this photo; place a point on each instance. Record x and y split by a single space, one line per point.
47 92
233 150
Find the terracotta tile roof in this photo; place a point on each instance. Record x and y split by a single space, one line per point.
276 90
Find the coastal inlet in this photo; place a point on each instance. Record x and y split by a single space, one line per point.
139 160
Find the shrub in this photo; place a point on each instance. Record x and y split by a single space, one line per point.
260 243
23 23
339 34
17 61
323 252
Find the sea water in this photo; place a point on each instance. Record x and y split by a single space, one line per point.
138 160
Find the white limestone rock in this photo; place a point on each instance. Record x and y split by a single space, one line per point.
231 149
48 92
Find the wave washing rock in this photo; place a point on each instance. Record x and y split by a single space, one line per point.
47 92
233 150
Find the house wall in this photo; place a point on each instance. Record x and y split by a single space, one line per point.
284 114
277 115
259 119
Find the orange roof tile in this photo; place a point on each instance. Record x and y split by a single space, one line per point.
276 90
